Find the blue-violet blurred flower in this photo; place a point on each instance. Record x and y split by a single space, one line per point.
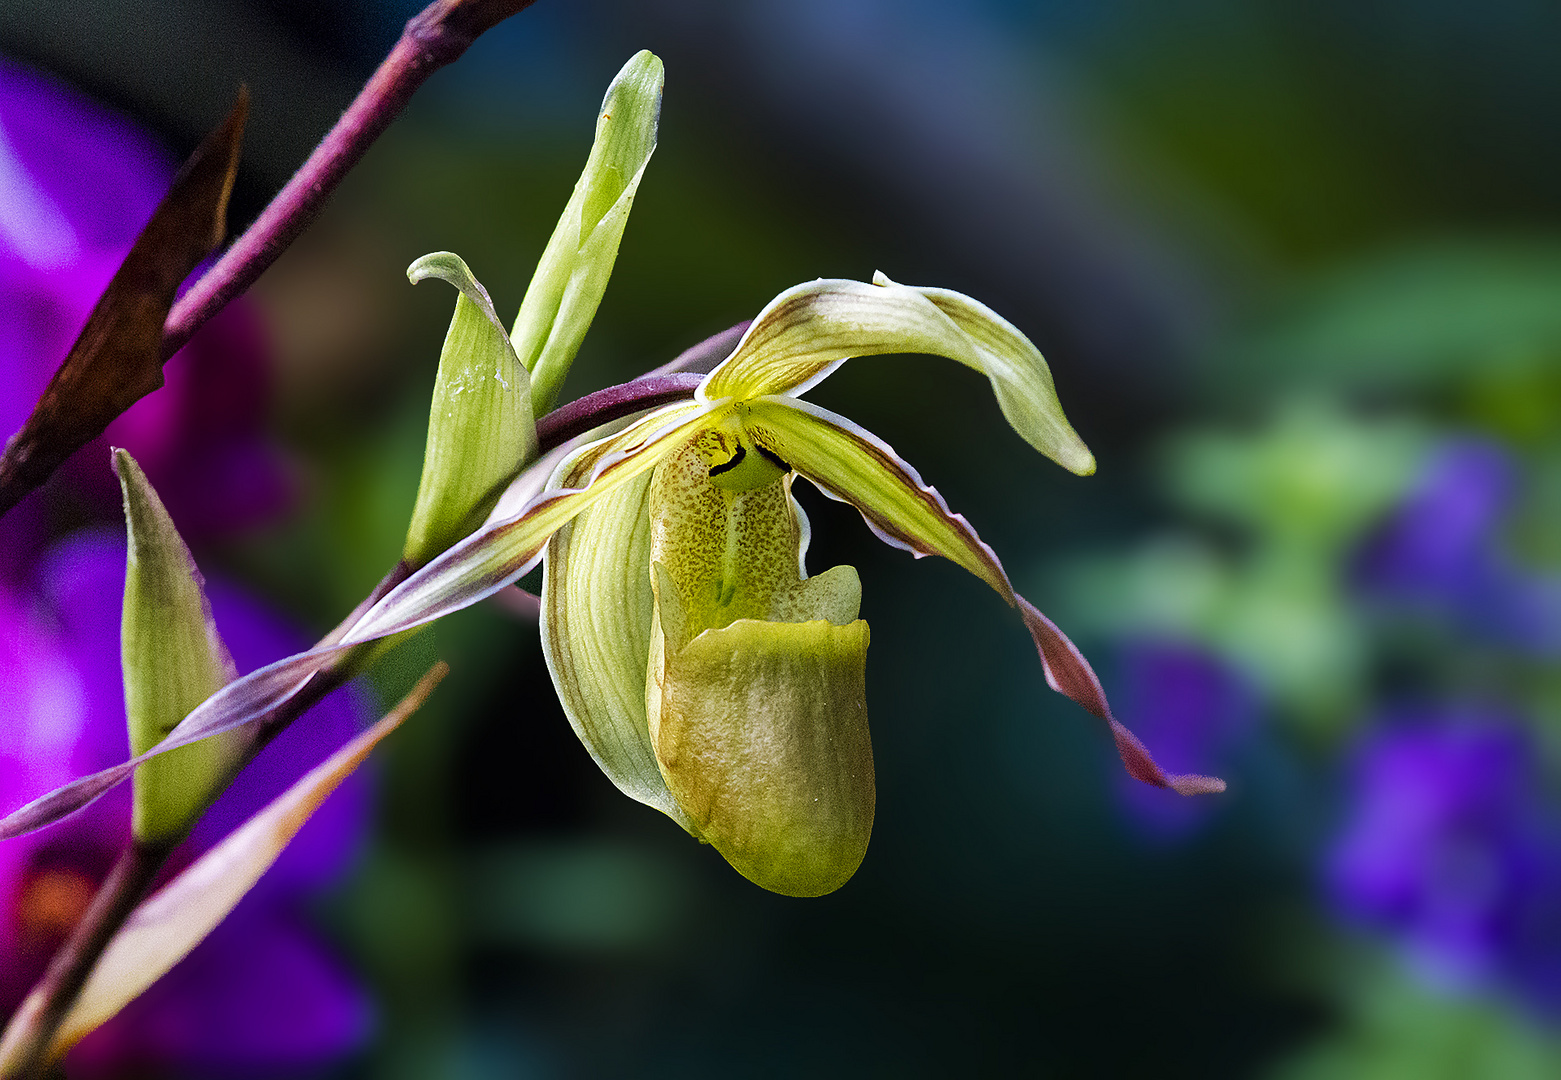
261 993
1441 552
1193 708
1449 845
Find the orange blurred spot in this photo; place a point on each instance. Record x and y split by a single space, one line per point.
52 903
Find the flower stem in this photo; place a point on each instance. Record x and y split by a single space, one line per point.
612 403
434 37
121 891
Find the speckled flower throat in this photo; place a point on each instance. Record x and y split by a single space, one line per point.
755 693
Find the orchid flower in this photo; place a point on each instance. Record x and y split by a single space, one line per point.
705 671
708 675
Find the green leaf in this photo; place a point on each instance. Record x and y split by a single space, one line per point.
573 271
807 331
165 927
173 659
481 426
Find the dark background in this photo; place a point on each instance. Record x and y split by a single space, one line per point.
1141 188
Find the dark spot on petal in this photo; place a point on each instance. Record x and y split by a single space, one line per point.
732 462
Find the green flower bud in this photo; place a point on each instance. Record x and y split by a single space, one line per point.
572 274
481 428
173 659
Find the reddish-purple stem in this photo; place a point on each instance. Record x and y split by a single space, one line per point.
673 381
625 399
433 38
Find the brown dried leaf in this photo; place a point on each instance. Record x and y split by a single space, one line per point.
118 359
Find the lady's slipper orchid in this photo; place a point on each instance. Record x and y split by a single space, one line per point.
707 674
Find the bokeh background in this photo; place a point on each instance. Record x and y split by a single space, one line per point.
1297 270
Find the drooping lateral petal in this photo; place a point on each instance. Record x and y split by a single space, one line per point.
1067 672
165 927
809 330
855 466
472 570
597 608
572 274
481 429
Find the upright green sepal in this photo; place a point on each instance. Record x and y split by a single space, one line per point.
572 273
173 659
481 426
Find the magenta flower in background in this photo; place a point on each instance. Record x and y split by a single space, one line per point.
77 182
1440 552
262 993
1450 847
1194 710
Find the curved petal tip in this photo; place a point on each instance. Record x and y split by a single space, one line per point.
1068 673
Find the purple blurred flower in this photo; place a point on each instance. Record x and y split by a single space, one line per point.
261 993
1450 847
76 184
1192 708
1441 552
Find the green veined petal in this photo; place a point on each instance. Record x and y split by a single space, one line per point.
597 608
809 330
481 429
572 274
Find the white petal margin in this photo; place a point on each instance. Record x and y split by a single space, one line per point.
853 465
163 929
597 610
809 330
465 574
